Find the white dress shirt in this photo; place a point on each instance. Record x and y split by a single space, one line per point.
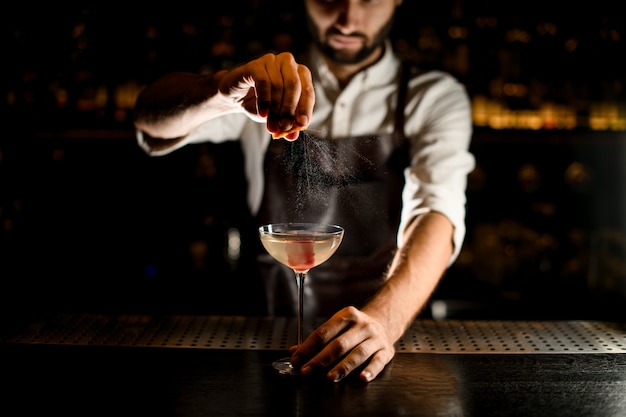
437 124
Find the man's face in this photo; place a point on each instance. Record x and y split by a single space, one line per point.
349 31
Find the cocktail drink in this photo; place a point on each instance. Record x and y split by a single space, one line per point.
300 246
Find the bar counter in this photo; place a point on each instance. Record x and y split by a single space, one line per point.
90 365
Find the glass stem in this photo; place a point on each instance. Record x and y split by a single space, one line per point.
300 276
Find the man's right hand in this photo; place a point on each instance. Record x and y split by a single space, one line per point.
275 88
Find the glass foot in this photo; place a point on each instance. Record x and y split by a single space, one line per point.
285 367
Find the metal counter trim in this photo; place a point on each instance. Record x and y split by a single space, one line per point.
278 333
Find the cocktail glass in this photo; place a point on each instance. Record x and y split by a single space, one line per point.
300 246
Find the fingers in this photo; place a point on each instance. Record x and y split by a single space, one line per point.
304 109
325 333
285 93
368 355
376 365
278 89
350 340
292 97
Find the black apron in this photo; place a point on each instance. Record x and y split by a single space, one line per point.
353 182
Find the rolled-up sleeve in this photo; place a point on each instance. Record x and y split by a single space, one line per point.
439 127
224 128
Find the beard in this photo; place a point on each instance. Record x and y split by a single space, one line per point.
348 58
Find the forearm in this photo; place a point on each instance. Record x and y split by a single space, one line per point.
414 274
177 103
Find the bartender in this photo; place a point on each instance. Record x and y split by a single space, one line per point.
350 135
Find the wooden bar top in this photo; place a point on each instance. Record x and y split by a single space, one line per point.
108 379
93 381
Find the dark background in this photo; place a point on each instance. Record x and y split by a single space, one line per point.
88 222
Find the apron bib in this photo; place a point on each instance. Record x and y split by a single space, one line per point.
353 182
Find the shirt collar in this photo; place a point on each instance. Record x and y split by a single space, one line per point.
381 72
